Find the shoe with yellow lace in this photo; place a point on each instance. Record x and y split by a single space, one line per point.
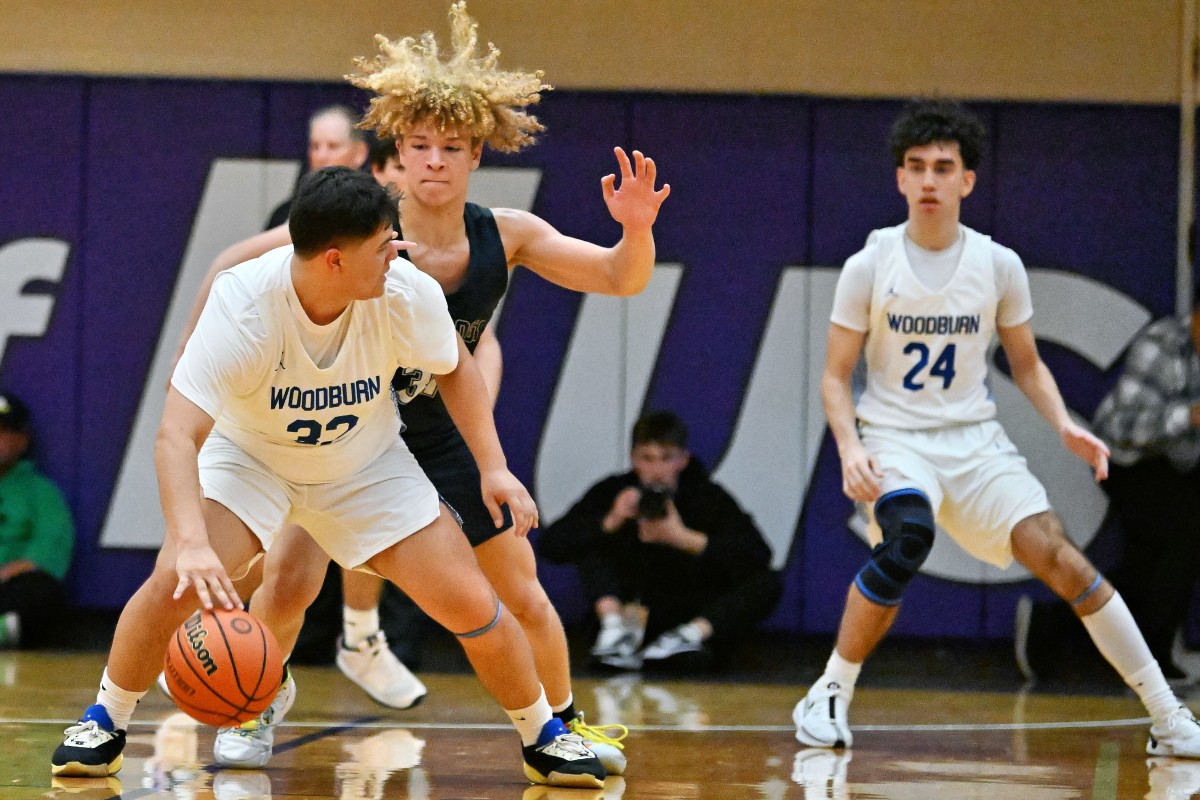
249 745
606 741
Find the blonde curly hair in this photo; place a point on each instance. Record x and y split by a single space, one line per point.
469 93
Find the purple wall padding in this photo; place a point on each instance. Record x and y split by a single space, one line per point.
116 168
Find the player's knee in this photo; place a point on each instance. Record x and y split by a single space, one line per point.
1048 527
298 586
1068 566
162 583
528 603
908 530
289 598
1061 555
475 633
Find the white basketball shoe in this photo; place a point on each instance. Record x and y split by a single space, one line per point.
822 716
379 673
249 745
1178 735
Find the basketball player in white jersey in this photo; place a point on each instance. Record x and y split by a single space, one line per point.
443 105
923 300
279 410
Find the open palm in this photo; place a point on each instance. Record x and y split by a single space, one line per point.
635 202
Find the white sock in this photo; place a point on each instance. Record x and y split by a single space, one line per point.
358 625
563 706
691 631
840 670
1117 637
118 702
1154 691
1120 642
613 619
10 628
530 720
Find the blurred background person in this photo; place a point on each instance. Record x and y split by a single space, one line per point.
1151 420
334 140
665 556
37 536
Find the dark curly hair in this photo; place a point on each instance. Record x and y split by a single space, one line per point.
925 121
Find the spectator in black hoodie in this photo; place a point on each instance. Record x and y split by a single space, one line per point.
665 555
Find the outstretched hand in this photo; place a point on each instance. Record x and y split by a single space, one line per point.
635 202
1087 446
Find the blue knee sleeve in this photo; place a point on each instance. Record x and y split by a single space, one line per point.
906 519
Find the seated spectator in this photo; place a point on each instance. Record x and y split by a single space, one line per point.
37 536
665 555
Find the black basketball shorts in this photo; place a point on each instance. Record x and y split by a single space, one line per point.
452 470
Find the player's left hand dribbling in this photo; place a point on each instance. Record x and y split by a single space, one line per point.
199 568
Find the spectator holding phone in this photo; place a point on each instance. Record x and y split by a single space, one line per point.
666 556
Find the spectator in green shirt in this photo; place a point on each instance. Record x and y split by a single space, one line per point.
37 536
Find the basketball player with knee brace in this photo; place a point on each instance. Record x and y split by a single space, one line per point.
923 300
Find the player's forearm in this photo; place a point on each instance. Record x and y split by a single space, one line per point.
839 410
490 360
466 397
179 486
631 261
1039 386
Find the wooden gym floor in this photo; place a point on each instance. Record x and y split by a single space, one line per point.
690 740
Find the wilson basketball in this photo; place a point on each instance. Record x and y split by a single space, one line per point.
223 667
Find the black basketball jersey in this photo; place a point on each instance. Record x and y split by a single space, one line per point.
471 306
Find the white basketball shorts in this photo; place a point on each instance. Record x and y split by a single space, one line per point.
352 519
977 482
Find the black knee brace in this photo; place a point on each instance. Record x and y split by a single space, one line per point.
906 518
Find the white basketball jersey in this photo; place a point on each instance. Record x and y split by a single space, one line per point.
305 423
926 352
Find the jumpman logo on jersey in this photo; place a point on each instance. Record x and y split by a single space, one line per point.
282 354
891 293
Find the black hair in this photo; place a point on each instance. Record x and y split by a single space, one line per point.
926 121
660 427
337 203
383 149
352 117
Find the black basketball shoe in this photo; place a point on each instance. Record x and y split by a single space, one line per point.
560 758
92 748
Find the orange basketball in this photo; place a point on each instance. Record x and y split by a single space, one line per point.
223 667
